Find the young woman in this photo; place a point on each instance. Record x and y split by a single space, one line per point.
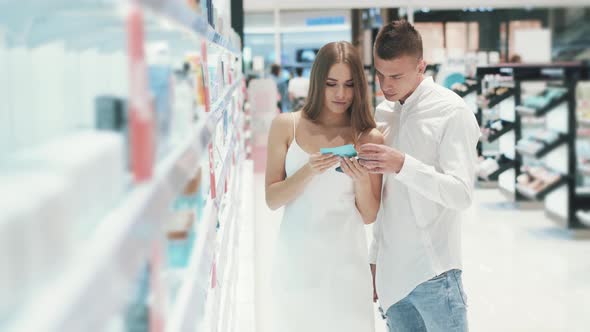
321 277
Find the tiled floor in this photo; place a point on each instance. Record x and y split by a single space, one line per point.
522 272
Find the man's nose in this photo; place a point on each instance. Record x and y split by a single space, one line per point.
387 84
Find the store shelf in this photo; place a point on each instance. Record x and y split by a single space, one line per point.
557 218
533 72
583 217
115 249
584 123
219 106
583 133
189 309
470 89
506 184
545 150
540 195
491 103
494 175
506 191
186 311
530 111
584 169
506 127
179 12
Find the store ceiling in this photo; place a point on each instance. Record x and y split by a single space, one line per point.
264 5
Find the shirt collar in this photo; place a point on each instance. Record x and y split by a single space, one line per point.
424 86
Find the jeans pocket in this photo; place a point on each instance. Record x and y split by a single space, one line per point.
456 276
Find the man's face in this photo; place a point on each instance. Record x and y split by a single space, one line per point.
399 77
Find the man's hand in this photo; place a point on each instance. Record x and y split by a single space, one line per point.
373 271
381 159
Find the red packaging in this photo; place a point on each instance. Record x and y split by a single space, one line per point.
141 122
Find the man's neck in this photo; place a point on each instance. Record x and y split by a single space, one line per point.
418 81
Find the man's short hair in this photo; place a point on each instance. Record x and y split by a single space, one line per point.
299 71
397 39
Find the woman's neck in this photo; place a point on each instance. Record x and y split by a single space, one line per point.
330 119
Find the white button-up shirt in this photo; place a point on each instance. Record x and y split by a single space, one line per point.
417 235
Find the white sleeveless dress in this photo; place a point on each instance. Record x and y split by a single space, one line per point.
321 276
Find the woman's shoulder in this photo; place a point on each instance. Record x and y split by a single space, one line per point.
283 124
372 135
285 120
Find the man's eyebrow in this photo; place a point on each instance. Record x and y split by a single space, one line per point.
392 75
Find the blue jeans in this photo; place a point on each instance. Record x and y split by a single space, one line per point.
437 305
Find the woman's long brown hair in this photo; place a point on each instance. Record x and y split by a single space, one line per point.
361 116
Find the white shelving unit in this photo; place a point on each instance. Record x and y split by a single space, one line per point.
107 265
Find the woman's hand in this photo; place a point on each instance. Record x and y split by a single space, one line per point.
319 163
354 169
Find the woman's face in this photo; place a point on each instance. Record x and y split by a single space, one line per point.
339 91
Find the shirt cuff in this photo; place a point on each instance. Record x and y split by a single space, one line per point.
408 169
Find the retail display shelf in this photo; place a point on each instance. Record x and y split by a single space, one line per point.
506 190
584 169
540 195
114 248
532 71
533 121
583 191
178 12
545 150
496 100
583 132
585 123
187 311
181 318
494 175
557 218
506 127
224 171
530 111
219 106
227 226
583 217
470 89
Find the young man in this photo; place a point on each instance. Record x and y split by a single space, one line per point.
428 162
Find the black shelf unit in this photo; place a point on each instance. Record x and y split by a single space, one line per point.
530 111
507 126
496 174
562 139
470 89
568 74
481 72
496 100
539 196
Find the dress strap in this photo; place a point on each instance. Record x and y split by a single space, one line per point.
294 123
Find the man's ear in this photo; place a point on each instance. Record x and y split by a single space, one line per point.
422 66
